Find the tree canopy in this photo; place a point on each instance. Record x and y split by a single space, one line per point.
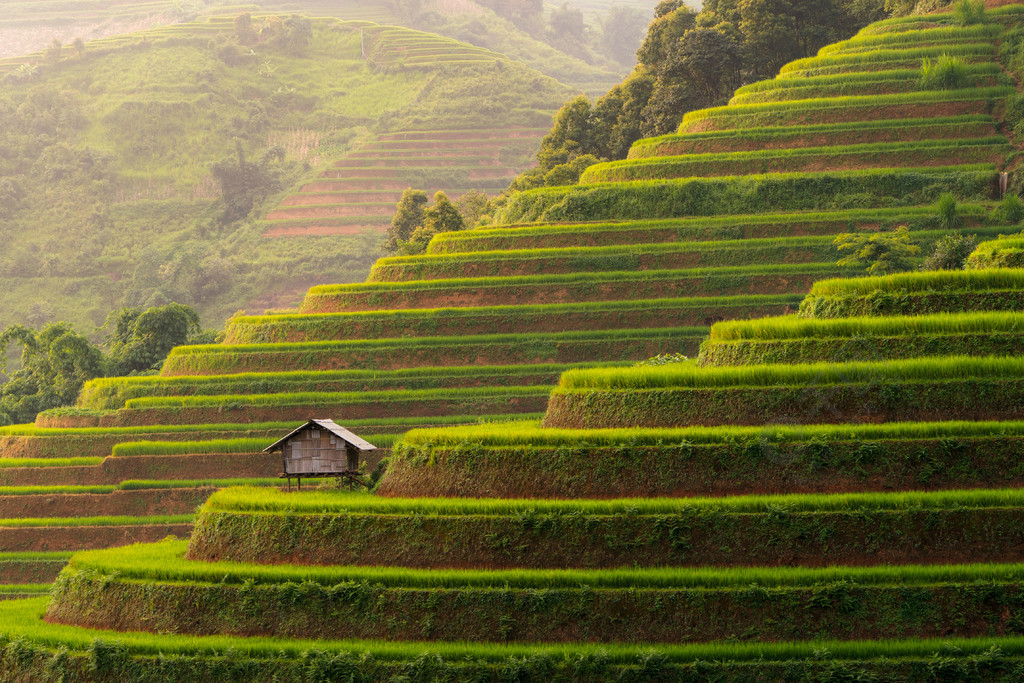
689 61
56 360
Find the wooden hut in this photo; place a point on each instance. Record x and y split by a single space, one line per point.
321 448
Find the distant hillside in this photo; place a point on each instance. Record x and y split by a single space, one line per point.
106 156
33 25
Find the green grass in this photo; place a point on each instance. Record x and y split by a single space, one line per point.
285 427
6 463
112 392
690 376
951 34
311 398
747 194
151 448
502 339
163 562
24 588
31 430
711 228
855 61
427 322
132 485
23 619
839 103
789 82
560 279
1005 252
35 555
529 434
150 484
557 347
790 159
792 327
277 502
719 252
927 281
106 520
927 79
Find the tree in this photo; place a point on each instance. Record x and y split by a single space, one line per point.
139 340
622 33
55 363
779 31
664 32
569 30
880 253
473 205
951 252
709 61
245 31
243 183
443 216
408 217
569 174
55 51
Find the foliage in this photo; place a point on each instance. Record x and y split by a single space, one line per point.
951 252
473 206
664 359
968 12
1011 209
949 213
623 30
878 253
442 216
139 340
245 183
650 199
688 61
55 363
409 215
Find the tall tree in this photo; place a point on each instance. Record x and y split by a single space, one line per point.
408 217
139 340
55 363
622 33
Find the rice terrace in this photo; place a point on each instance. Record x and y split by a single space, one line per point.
480 340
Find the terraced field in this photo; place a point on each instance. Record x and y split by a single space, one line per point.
360 190
830 490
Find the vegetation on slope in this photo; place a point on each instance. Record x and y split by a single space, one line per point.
149 153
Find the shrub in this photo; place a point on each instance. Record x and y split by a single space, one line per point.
950 253
969 12
944 73
885 252
1011 210
664 359
949 215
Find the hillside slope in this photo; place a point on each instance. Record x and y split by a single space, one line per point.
108 193
628 535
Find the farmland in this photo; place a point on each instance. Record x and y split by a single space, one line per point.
827 487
